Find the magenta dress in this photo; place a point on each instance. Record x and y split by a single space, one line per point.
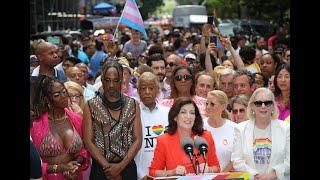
284 112
49 146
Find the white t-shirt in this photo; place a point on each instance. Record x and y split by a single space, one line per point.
153 124
262 146
223 139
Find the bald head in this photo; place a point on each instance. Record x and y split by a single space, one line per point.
149 77
172 61
173 57
47 54
43 46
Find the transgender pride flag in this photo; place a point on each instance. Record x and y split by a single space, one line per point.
131 17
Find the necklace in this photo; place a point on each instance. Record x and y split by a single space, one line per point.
60 120
115 106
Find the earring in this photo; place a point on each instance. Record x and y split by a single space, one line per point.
272 113
49 105
252 112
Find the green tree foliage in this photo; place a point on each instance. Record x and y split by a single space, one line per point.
223 8
146 7
256 9
189 2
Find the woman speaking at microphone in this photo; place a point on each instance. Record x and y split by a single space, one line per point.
169 158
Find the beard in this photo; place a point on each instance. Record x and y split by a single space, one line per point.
161 77
113 93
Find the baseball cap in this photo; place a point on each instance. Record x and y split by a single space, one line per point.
190 57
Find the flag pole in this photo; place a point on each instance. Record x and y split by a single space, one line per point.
114 34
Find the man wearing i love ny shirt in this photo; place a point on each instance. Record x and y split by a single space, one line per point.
154 119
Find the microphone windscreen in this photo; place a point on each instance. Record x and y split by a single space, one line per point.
200 141
187 142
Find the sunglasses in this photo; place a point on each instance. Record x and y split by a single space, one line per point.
266 103
171 64
236 111
185 77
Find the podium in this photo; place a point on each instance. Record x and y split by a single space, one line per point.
207 176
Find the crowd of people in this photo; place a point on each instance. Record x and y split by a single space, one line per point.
108 108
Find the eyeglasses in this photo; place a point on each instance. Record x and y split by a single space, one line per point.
266 103
57 94
185 77
171 64
236 111
76 96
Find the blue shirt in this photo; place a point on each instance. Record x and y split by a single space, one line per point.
81 55
95 62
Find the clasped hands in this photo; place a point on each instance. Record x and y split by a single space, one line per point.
70 170
113 170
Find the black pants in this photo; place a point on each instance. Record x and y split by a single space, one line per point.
129 173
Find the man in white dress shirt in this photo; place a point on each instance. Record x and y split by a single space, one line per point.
154 119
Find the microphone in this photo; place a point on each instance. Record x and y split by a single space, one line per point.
187 145
202 145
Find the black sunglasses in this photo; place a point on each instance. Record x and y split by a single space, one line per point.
266 103
185 77
171 64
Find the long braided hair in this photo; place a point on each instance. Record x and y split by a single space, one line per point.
39 97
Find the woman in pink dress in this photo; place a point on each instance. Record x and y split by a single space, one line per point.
57 132
282 90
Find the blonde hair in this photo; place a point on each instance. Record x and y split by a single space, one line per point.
275 113
222 98
75 86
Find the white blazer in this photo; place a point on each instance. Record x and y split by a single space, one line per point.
242 154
